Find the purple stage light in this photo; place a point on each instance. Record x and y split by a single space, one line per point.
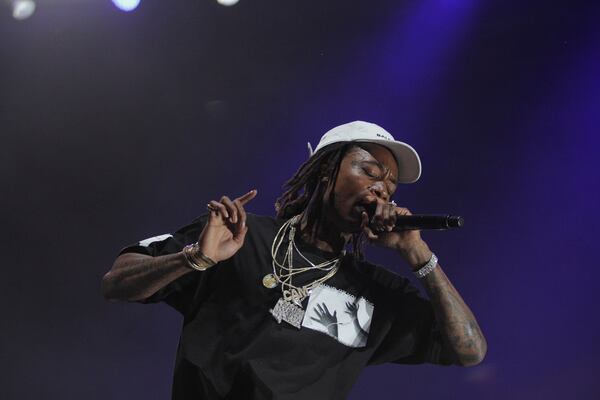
126 5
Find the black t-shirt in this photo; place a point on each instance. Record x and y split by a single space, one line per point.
231 347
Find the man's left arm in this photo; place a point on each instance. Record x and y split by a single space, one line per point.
462 337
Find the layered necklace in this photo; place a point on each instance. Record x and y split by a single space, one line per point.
289 306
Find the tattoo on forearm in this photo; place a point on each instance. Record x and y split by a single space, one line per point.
457 323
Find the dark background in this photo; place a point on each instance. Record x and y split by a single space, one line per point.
119 126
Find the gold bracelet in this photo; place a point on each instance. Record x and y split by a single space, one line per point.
196 259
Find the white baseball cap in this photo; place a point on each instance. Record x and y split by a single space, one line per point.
409 164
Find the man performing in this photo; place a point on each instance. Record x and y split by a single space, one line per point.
287 307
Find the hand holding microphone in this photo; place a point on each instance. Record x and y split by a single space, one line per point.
406 222
387 225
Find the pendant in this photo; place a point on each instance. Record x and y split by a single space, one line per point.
269 281
288 312
296 295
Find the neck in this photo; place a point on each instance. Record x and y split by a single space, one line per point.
327 237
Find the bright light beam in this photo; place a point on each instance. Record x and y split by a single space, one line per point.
126 5
227 2
22 9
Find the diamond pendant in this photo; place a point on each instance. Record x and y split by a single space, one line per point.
296 295
288 312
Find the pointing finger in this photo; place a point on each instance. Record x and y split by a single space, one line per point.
248 196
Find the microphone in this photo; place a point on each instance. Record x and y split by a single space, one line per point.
424 221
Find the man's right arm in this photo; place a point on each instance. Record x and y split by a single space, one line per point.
136 276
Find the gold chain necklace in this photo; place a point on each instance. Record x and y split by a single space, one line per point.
289 307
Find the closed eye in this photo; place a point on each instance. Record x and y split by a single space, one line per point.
370 172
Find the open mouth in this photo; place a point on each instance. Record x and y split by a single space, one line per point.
367 206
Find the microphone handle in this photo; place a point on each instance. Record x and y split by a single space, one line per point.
422 221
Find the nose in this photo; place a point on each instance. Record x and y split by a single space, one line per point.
379 190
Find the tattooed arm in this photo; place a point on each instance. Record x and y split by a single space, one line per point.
462 337
461 334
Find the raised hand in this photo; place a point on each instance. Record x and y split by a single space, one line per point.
325 318
352 310
226 228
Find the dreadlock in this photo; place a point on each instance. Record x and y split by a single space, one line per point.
305 189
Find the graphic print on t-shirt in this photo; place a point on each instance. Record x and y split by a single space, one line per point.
339 315
159 238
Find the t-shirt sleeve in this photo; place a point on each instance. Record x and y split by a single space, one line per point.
179 294
413 336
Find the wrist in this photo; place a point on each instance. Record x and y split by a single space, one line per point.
416 256
206 250
196 259
427 268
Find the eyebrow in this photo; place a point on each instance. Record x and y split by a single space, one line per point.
382 167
